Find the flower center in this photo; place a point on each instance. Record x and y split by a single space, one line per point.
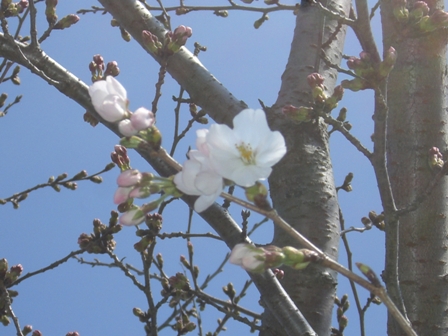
246 152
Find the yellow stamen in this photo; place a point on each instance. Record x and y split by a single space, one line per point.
247 154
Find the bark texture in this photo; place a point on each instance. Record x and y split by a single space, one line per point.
302 185
417 121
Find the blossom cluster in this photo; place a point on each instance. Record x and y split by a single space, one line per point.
109 98
242 155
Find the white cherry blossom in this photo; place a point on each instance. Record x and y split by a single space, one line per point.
109 98
247 152
199 179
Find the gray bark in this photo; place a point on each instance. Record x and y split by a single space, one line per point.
416 98
302 185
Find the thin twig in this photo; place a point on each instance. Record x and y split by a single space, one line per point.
49 267
350 267
125 270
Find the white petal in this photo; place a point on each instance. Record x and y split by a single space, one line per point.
251 126
208 183
237 254
203 203
272 150
221 137
125 127
114 87
246 176
201 142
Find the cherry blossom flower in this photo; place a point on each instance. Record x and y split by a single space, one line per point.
247 152
199 179
109 98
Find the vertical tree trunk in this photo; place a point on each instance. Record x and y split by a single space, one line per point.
417 121
302 185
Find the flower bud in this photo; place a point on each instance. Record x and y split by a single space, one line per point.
66 21
332 102
419 9
3 98
129 178
159 258
5 320
3 267
388 63
260 21
112 69
185 262
315 79
27 329
50 11
151 42
132 217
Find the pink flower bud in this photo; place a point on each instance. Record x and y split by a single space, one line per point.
122 195
129 178
315 79
142 119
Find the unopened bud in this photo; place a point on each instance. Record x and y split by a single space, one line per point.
3 98
66 21
112 69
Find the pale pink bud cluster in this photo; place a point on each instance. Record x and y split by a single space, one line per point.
258 259
178 38
109 98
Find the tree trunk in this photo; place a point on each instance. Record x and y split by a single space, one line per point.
416 98
302 186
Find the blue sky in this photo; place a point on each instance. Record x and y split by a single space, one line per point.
45 135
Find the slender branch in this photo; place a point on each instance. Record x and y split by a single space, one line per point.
363 31
339 126
147 261
160 81
230 309
188 235
33 30
125 270
49 267
176 121
350 267
222 8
